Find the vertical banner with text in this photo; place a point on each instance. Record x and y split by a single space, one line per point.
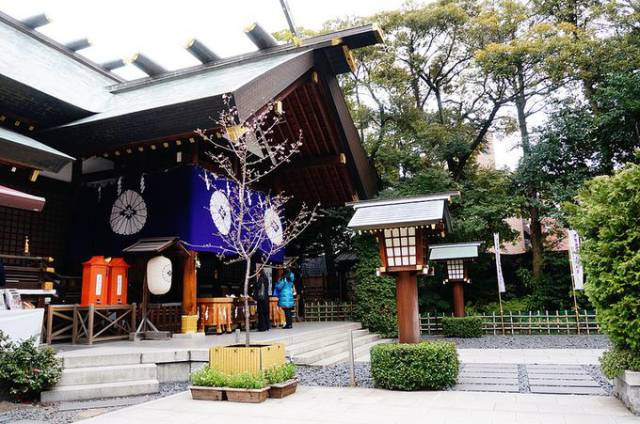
577 272
496 244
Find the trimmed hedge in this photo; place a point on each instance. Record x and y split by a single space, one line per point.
421 366
615 361
462 327
27 369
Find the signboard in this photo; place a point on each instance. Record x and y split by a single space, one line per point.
577 272
496 244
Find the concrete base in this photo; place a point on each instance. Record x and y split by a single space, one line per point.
627 389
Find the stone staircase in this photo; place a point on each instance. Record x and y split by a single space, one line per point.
109 375
105 381
330 349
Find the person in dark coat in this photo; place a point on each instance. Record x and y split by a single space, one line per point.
261 295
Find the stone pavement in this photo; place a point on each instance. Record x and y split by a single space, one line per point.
371 406
530 356
530 378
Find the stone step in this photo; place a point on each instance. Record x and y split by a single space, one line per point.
361 354
487 380
100 391
87 360
307 346
559 390
292 339
108 374
512 388
333 349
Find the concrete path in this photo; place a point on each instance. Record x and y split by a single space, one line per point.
371 406
530 356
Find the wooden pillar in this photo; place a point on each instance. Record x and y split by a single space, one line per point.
407 303
458 298
189 285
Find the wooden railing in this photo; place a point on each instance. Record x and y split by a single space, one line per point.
165 316
511 323
89 324
328 311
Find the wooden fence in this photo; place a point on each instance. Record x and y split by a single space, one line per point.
89 324
511 323
328 311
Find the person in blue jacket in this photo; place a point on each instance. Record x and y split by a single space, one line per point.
285 290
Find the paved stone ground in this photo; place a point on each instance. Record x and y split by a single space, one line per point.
531 378
332 405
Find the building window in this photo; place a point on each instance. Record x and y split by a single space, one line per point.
401 246
455 268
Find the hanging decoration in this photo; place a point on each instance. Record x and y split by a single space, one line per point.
142 186
119 190
159 272
206 180
220 210
273 226
99 193
128 214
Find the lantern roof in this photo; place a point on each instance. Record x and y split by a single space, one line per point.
444 252
405 212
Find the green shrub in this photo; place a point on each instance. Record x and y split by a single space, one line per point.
208 377
462 327
421 366
374 297
275 375
616 360
27 369
607 217
246 381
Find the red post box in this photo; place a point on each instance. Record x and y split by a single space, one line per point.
118 269
95 274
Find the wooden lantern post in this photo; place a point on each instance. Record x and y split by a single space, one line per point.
457 257
403 227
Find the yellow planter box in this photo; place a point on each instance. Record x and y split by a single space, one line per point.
236 359
189 324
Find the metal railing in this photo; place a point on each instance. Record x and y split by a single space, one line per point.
511 323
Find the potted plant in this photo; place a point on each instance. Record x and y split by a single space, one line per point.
282 380
247 388
208 384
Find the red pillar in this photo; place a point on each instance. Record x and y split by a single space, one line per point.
458 298
407 303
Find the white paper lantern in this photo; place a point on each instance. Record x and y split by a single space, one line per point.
159 275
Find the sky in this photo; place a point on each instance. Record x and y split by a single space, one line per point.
120 28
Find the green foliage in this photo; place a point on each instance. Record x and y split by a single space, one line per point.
208 377
607 216
421 366
246 381
615 361
27 369
466 327
374 297
280 374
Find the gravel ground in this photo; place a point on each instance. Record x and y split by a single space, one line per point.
335 375
523 379
595 372
530 342
16 413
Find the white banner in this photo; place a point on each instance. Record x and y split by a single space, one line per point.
577 273
496 247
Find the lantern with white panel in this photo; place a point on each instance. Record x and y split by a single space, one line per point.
457 257
404 228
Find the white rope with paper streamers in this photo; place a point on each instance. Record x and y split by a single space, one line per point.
142 185
119 187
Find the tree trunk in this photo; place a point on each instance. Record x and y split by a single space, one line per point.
247 312
537 243
535 226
